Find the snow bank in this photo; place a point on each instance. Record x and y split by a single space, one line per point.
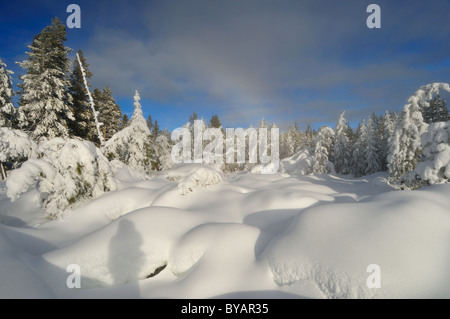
130 248
405 233
193 176
253 236
299 163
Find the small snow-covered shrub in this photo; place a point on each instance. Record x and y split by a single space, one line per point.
199 177
15 145
299 163
65 172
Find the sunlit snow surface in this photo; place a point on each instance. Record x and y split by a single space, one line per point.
231 236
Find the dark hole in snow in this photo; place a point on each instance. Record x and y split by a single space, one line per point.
157 271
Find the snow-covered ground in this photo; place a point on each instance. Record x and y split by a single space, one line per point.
192 232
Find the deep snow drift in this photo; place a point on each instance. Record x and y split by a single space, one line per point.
192 232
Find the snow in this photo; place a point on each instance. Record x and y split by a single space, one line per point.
299 163
435 168
131 144
240 235
15 145
64 172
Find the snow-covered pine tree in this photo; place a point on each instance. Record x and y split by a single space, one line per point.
296 137
44 100
405 149
132 145
322 151
84 124
285 143
437 111
163 151
290 141
435 167
342 147
110 113
7 109
64 172
371 153
388 125
359 164
308 138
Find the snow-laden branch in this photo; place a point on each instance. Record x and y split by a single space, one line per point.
91 101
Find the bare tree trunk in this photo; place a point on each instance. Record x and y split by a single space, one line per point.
91 100
3 171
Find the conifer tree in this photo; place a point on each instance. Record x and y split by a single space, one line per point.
437 111
405 148
322 151
132 145
125 121
44 100
371 153
84 125
110 113
359 164
215 122
7 109
342 147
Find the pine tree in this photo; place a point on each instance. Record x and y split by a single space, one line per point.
434 167
44 100
307 140
156 131
163 152
215 122
359 164
84 124
193 118
7 109
132 145
110 113
437 111
125 121
405 149
388 125
342 147
371 153
323 151
150 123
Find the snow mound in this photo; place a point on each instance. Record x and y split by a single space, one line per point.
299 163
270 168
216 257
130 248
198 178
413 255
123 173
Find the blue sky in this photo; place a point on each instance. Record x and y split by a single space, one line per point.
286 61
